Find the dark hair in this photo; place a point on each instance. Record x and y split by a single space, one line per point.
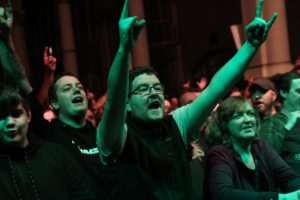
284 83
217 131
52 89
140 70
11 97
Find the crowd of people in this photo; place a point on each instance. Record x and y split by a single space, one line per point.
214 142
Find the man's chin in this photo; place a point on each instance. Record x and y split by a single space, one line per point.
155 117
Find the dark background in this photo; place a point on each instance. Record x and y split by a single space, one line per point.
187 38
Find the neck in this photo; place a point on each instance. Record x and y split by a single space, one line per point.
244 150
75 122
271 112
241 147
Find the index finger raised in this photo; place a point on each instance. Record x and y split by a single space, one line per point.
259 8
124 13
46 51
272 20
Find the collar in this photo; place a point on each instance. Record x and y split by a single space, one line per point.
34 144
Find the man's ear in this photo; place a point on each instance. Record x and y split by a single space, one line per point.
54 105
274 95
29 116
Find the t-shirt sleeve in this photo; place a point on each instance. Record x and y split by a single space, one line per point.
109 158
181 118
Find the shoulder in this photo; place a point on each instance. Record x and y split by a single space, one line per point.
220 157
219 148
263 148
260 145
220 151
52 147
278 117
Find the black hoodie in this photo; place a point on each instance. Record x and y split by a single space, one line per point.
42 170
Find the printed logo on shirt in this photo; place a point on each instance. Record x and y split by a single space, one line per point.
89 151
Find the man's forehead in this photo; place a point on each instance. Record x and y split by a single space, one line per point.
67 80
257 88
145 79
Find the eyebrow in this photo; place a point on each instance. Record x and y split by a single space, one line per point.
145 84
70 84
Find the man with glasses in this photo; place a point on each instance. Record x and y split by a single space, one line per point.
145 153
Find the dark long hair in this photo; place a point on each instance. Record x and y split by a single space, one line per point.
217 131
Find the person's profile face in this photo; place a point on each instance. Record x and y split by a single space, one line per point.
292 97
263 100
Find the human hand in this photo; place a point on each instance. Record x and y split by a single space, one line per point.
257 30
6 19
129 28
186 86
49 60
202 83
290 196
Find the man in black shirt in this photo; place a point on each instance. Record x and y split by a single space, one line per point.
69 100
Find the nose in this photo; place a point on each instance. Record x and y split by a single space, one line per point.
151 90
257 96
76 89
247 117
10 122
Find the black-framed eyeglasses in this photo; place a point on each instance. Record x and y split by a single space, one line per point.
145 89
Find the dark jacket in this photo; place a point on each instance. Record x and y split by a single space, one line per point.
229 178
80 143
42 170
154 164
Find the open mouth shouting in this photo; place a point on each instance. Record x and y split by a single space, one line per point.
77 99
154 104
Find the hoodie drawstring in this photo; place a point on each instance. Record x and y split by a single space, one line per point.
36 196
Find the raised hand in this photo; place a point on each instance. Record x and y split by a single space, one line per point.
129 27
6 19
49 59
258 29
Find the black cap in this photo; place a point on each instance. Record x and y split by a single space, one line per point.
262 83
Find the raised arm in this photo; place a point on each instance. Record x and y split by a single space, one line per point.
111 128
227 76
8 56
49 65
